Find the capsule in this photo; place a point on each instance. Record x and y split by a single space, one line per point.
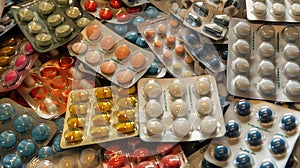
125 92
103 93
126 127
7 50
73 136
100 132
127 102
76 123
213 29
101 119
9 42
80 96
78 109
103 106
126 115
4 60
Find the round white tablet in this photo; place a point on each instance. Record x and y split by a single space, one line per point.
266 50
291 69
291 51
259 8
181 127
208 125
241 83
240 65
292 88
278 9
204 106
267 31
152 89
290 34
266 68
241 46
202 86
179 108
267 86
153 109
242 29
155 128
177 88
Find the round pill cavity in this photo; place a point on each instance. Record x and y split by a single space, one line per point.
254 138
208 125
93 57
40 132
137 20
179 108
291 51
73 12
288 123
188 59
173 23
146 164
259 8
152 89
204 106
240 65
79 47
162 28
155 128
265 115
45 164
141 42
167 55
45 151
10 77
170 40
292 88
107 42
241 46
154 69
267 31
290 34
267 164
124 77
138 60
241 83
8 139
221 152
181 127
177 67
25 14
266 50
232 129
67 161
149 32
12 161
295 9
277 146
266 68
243 160
266 86
23 123
158 43
202 86
242 29
26 148
291 69
122 52
153 109
6 112
179 49
243 108
83 22
88 158
45 7
93 32
278 9
192 38
108 67
177 88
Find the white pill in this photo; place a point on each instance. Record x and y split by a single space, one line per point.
50 105
292 88
242 29
155 128
295 9
241 65
241 46
177 88
267 86
259 8
153 109
179 108
266 68
267 31
278 9
85 84
241 83
152 89
291 51
266 49
208 125
204 106
291 69
290 34
181 127
202 86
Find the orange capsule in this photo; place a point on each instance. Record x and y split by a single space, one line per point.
4 60
99 132
103 106
103 93
9 42
76 123
127 102
126 115
78 109
7 50
126 127
101 119
73 136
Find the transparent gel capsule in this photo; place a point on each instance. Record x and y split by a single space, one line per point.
266 50
290 34
242 29
259 8
266 68
291 51
243 160
243 108
277 146
232 129
292 88
266 86
267 31
241 83
291 69
288 123
241 65
221 152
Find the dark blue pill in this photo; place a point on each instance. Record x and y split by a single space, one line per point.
232 130
265 115
141 42
254 138
137 20
243 161
131 36
153 70
221 153
243 108
12 160
277 146
267 164
288 123
121 29
214 62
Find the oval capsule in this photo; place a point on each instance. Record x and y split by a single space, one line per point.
7 50
126 115
126 127
80 96
103 93
101 119
100 132
126 91
4 60
9 42
76 123
127 102
78 109
73 136
103 107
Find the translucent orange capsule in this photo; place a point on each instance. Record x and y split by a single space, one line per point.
99 132
126 127
126 115
103 93
73 136
101 119
78 109
76 123
7 50
127 102
103 106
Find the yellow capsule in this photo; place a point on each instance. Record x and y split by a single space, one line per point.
126 127
9 42
7 50
99 132
80 96
101 119
78 109
4 60
103 93
126 115
127 102
127 91
76 123
2 70
73 136
103 107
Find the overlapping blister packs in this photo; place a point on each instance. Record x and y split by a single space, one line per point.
99 115
264 61
23 133
184 109
107 53
258 134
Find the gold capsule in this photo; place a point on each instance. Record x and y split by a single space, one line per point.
126 91
2 70
99 132
80 96
127 102
103 107
101 119
73 136
7 50
126 115
103 93
78 109
9 42
4 60
126 127
76 123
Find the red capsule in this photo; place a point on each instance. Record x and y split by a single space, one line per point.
106 14
116 4
123 17
134 9
91 6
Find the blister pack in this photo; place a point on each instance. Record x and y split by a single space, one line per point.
273 10
49 24
185 109
16 59
263 61
6 23
99 115
107 53
47 87
258 134
132 3
164 38
23 133
163 5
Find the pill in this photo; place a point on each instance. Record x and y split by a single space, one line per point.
152 89
170 40
221 152
242 29
171 161
59 82
79 47
39 92
266 68
125 128
45 151
267 164
138 60
26 148
243 160
291 51
241 83
93 32
141 42
73 136
140 154
254 138
167 55
214 62
153 109
89 158
151 12
232 129
108 67
12 160
50 105
127 102
45 164
266 50
101 119
295 9
243 108
107 42
288 123
99 131
267 31
241 46
290 34
23 123
76 123
116 162
131 36
126 115
8 139
267 86
292 88
155 128
124 77
80 96
265 115
162 28
173 23
177 67
179 108
181 127
277 146
192 38
103 106
177 88
208 125
121 29
202 86
103 93
67 161
149 32
240 65
259 8
204 106
291 69
93 57
10 77
179 50
174 7
278 9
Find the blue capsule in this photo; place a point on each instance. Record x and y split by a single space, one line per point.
243 161
199 53
254 138
141 42
151 12
291 161
121 29
59 122
221 153
7 139
224 54
153 70
56 143
131 36
232 129
6 112
265 115
214 62
192 38
12 160
137 20
267 164
243 108
288 123
277 146
45 151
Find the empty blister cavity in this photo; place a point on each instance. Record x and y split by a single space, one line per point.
208 125
181 127
241 83
266 68
266 86
266 50
291 51
240 65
